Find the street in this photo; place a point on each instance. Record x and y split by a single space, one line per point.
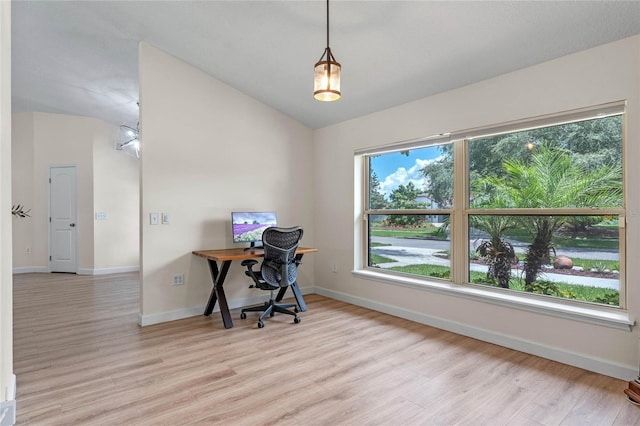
416 251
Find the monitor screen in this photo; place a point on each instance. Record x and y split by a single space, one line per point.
248 226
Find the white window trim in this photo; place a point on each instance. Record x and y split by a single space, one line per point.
616 318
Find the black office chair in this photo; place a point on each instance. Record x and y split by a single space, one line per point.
279 269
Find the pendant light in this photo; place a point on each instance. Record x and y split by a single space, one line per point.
326 83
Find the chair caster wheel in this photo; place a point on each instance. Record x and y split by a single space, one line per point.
272 314
243 315
296 310
260 324
297 320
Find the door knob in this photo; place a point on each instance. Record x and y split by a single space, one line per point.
72 225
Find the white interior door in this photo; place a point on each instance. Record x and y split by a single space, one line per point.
62 218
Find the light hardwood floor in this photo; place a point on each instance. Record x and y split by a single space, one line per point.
81 358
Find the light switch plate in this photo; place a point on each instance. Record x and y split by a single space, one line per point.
154 218
166 218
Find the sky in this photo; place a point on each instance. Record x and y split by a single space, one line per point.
396 169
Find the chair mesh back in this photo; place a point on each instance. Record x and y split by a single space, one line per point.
280 246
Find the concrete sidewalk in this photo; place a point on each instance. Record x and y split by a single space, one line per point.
404 256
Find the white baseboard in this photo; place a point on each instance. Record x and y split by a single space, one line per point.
144 320
597 365
105 271
8 407
151 319
304 290
81 271
30 269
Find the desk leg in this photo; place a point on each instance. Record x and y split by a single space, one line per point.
217 292
213 268
296 291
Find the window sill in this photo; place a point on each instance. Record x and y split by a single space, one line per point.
617 319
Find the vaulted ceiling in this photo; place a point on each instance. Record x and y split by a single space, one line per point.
81 57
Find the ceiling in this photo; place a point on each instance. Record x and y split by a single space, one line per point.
81 57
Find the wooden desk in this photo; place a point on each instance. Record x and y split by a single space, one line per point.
226 256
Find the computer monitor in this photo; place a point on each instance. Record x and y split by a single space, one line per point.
248 227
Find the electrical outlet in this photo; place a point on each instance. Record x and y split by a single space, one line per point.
178 279
8 410
28 250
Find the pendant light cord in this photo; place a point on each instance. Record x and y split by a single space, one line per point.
327 23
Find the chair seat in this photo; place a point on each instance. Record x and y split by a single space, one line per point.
263 285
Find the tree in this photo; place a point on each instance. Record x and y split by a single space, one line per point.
439 175
592 142
404 198
589 143
499 255
552 180
487 154
376 198
496 251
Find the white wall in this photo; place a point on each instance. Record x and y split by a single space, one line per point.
106 178
7 381
56 140
22 187
116 192
207 150
603 74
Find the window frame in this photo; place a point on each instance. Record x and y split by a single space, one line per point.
416 144
460 212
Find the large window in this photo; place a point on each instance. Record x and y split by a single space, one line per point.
535 207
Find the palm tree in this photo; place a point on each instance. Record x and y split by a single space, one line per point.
496 252
550 180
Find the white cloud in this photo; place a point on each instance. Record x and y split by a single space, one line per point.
403 176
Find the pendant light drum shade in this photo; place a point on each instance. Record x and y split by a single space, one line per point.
326 83
326 80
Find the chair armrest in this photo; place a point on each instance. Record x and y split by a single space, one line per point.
254 275
249 262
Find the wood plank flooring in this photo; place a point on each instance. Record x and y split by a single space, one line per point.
81 359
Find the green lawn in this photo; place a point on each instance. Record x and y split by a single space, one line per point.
586 264
559 241
376 259
559 289
563 241
597 264
429 232
563 290
380 245
437 271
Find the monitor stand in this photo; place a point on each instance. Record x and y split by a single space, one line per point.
253 246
